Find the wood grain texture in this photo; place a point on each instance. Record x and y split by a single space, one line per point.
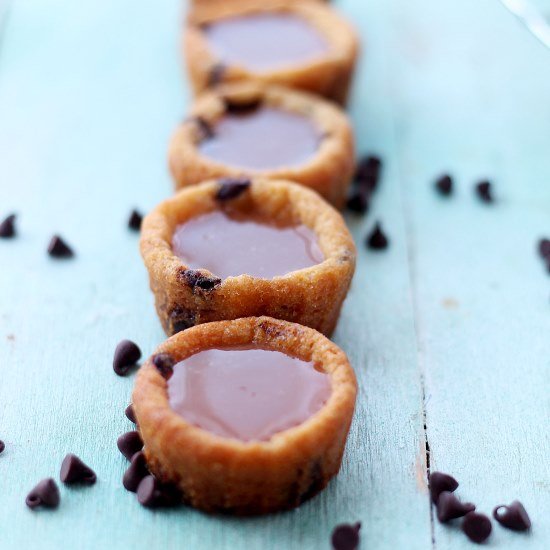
453 321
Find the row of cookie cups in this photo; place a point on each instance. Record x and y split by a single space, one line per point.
219 474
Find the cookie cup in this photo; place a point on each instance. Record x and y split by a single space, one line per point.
218 474
312 296
328 171
329 75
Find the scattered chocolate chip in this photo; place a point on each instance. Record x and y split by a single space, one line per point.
346 536
206 131
134 221
164 363
148 492
127 354
216 74
477 526
368 168
196 279
152 494
2 446
368 184
129 444
73 470
544 248
440 482
377 240
231 188
449 507
444 185
7 227
46 494
130 414
358 202
135 472
58 248
484 191
514 516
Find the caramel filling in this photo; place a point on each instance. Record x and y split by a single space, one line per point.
266 41
246 394
229 247
262 139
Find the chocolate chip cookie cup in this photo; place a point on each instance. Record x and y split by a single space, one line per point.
304 45
252 129
241 450
226 249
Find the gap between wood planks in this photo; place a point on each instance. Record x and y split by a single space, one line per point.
427 451
409 230
412 279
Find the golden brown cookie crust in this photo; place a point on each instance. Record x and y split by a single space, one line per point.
311 296
217 474
330 76
329 171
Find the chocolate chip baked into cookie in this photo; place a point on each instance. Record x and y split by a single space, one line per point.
252 129
305 45
234 248
247 416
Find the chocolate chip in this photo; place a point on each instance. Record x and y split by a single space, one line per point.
196 279
514 516
129 444
368 184
216 74
73 470
58 248
135 472
181 319
477 526
130 414
152 494
544 248
164 363
135 219
377 240
231 188
242 106
148 492
127 354
204 127
7 227
346 536
368 168
358 202
440 482
484 191
444 185
46 494
2 446
449 507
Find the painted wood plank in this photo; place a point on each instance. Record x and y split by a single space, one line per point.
473 99
89 93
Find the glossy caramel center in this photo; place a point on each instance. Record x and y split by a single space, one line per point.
229 247
266 41
263 139
246 394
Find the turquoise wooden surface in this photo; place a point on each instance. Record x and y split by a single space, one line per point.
449 330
